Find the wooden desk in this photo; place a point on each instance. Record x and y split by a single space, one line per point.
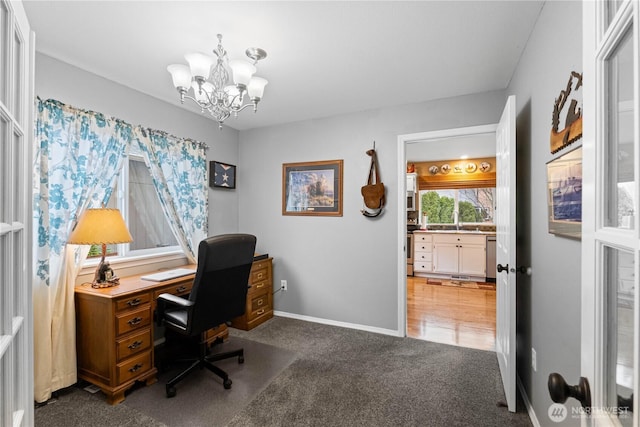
115 328
115 332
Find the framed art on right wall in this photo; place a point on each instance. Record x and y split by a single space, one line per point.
564 194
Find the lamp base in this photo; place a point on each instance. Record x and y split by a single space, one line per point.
114 281
104 277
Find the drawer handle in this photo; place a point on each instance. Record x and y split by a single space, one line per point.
181 289
135 321
259 275
261 311
136 367
260 301
135 345
259 286
134 302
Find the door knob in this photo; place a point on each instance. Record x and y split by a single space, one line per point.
500 268
522 270
560 391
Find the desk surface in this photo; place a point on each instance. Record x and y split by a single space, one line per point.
131 284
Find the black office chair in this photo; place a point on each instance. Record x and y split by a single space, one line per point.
218 295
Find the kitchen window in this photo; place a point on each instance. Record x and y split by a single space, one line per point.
472 205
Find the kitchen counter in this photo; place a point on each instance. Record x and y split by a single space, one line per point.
487 233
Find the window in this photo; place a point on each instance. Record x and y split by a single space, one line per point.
473 205
138 201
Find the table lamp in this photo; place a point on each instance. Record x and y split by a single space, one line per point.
101 226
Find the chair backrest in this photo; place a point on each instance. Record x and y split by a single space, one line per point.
220 287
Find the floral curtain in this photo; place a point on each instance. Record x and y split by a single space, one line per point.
78 157
178 167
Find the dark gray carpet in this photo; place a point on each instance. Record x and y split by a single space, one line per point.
344 377
338 377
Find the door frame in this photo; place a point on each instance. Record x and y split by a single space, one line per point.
599 40
403 140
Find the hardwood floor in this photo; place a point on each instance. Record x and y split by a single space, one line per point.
451 315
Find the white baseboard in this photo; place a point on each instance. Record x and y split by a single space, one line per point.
527 403
366 328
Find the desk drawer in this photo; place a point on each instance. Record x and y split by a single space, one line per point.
179 289
133 301
133 367
258 306
261 302
133 320
258 275
132 345
259 288
259 265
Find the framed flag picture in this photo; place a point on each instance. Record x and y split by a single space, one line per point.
222 175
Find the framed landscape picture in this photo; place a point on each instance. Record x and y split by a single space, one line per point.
312 188
222 175
564 194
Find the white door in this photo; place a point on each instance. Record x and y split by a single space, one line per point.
506 250
16 130
610 241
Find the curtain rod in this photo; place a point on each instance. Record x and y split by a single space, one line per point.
95 113
164 133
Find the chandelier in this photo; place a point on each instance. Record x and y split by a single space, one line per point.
207 78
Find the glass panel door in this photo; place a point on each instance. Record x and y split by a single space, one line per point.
621 203
619 295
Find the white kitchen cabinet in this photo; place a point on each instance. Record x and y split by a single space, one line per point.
459 254
412 185
422 252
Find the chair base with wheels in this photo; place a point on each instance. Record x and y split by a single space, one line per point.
205 360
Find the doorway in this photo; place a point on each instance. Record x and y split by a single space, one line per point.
437 310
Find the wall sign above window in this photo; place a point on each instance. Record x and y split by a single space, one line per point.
572 130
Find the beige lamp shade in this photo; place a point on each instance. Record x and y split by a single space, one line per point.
100 226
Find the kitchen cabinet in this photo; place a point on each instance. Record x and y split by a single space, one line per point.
412 179
422 252
459 254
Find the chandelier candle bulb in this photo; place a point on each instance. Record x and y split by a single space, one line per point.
208 78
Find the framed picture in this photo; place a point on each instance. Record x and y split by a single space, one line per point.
222 175
564 194
312 188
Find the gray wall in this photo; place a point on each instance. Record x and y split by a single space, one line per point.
81 89
548 302
345 268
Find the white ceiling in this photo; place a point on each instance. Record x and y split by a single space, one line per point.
324 57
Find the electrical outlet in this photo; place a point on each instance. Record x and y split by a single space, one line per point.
534 361
283 285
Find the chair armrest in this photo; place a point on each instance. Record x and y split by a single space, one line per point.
171 300
175 300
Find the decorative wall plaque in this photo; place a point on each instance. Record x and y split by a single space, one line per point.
572 130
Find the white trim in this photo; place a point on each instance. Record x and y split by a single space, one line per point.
329 322
527 403
401 203
132 262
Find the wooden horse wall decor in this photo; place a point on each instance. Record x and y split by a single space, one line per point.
374 192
